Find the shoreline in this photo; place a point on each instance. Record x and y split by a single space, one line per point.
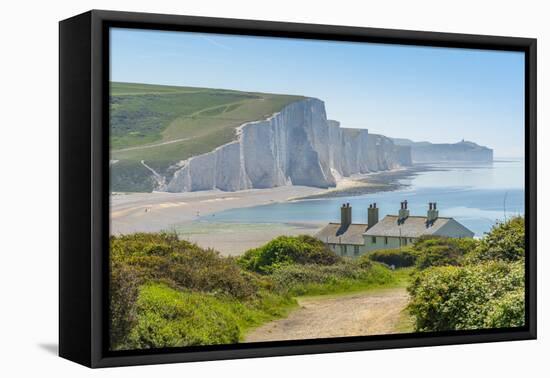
375 182
157 211
184 213
125 208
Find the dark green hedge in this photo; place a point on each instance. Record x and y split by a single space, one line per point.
284 250
399 258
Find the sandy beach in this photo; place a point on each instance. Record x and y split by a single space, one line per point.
152 212
184 213
234 238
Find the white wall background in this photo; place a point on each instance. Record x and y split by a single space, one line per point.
29 186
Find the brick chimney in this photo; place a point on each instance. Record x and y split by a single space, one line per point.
403 211
372 215
345 214
433 213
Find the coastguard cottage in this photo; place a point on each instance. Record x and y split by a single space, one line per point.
344 238
393 231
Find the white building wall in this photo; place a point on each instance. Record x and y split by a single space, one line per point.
453 229
347 250
383 242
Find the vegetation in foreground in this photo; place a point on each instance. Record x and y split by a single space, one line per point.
167 292
479 286
303 265
460 284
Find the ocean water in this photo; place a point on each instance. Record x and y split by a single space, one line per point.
475 194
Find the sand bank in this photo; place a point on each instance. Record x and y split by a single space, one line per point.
235 238
185 212
151 212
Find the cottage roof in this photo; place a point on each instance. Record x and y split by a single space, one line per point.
411 227
336 233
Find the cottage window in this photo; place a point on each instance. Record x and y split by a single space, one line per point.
373 239
385 240
344 250
405 241
356 250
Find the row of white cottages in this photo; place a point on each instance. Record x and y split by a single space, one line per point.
394 231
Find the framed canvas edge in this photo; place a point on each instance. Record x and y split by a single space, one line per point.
319 348
99 203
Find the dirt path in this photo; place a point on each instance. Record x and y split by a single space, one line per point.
368 313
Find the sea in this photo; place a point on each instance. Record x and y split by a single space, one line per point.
476 194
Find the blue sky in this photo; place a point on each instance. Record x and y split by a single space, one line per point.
421 93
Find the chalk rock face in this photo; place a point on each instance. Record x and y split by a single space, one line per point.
297 146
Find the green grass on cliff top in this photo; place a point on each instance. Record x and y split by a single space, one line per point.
164 124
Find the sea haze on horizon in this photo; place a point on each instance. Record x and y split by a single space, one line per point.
440 95
475 194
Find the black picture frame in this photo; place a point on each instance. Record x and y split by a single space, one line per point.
84 186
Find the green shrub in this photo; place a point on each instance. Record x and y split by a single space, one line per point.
507 311
482 286
469 297
399 258
175 318
364 261
123 293
181 264
441 251
505 241
166 292
287 250
314 279
171 318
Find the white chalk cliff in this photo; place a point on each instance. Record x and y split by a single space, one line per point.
296 146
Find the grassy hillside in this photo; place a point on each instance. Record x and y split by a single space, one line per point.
165 124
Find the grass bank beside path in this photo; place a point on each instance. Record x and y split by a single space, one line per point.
381 278
174 318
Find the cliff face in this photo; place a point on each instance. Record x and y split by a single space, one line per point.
297 146
436 152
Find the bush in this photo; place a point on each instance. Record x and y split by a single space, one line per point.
123 293
469 297
183 265
166 292
314 279
399 258
171 318
441 251
507 311
505 241
287 250
175 318
482 286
